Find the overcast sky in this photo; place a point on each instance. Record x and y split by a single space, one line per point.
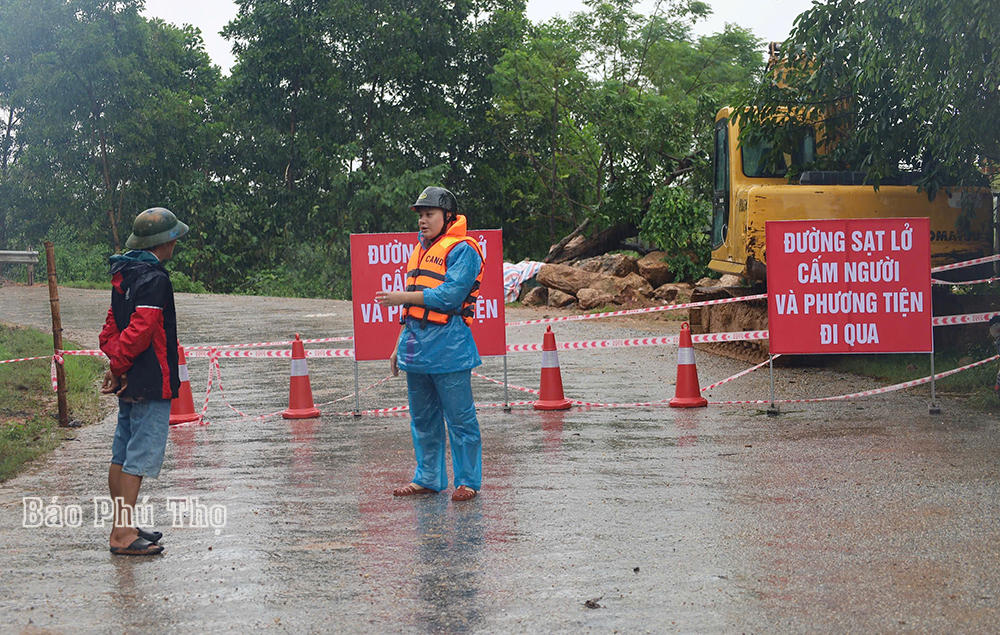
770 20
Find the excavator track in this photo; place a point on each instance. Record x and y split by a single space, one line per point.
750 315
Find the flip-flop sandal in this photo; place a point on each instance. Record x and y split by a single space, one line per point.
412 490
139 547
152 536
464 493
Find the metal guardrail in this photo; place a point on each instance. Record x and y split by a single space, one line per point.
29 258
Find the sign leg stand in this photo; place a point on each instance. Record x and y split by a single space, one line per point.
934 409
357 393
773 410
506 399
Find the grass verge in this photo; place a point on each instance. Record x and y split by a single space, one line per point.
974 385
29 424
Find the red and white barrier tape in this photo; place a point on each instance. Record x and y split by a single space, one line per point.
511 386
667 307
262 344
966 263
402 409
738 375
867 393
670 340
363 390
968 318
222 391
335 352
951 284
24 359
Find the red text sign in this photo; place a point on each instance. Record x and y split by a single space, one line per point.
849 286
378 263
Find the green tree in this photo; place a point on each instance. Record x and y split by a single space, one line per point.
606 112
344 111
894 85
110 111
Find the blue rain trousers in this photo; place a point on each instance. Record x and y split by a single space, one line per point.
435 399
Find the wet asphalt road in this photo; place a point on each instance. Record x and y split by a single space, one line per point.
860 517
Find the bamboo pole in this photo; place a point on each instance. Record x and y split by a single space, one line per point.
57 343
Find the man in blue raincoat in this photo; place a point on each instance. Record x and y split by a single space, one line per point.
436 348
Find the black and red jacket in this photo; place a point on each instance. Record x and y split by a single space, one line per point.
140 333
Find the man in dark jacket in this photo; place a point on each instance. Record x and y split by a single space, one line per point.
140 340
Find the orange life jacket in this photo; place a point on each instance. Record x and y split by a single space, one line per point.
427 268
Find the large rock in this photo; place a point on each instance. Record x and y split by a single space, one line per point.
537 296
568 279
666 293
558 299
592 298
631 297
638 283
618 265
729 280
654 270
609 285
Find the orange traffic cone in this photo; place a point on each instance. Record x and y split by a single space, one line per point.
551 392
182 408
300 396
688 392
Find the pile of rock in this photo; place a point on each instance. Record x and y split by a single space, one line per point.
611 279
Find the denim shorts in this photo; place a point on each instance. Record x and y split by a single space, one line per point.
141 436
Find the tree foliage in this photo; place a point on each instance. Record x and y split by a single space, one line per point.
604 112
103 111
338 113
896 85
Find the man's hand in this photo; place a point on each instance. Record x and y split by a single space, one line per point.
111 383
114 384
393 366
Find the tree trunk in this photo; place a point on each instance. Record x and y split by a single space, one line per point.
6 152
601 243
552 189
95 112
614 237
289 176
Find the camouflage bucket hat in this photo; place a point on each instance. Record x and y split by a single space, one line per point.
153 227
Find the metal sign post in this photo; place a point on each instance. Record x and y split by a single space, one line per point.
357 392
506 399
773 410
934 409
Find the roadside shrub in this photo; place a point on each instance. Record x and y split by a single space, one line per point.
676 223
184 284
75 260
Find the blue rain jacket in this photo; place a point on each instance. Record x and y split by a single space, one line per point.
444 348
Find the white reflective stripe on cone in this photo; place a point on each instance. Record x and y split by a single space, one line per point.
550 359
685 356
299 368
182 372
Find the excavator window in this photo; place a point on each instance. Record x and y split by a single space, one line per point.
720 196
758 153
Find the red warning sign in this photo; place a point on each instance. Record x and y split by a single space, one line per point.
378 263
849 286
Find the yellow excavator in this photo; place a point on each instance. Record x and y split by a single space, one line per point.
749 190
